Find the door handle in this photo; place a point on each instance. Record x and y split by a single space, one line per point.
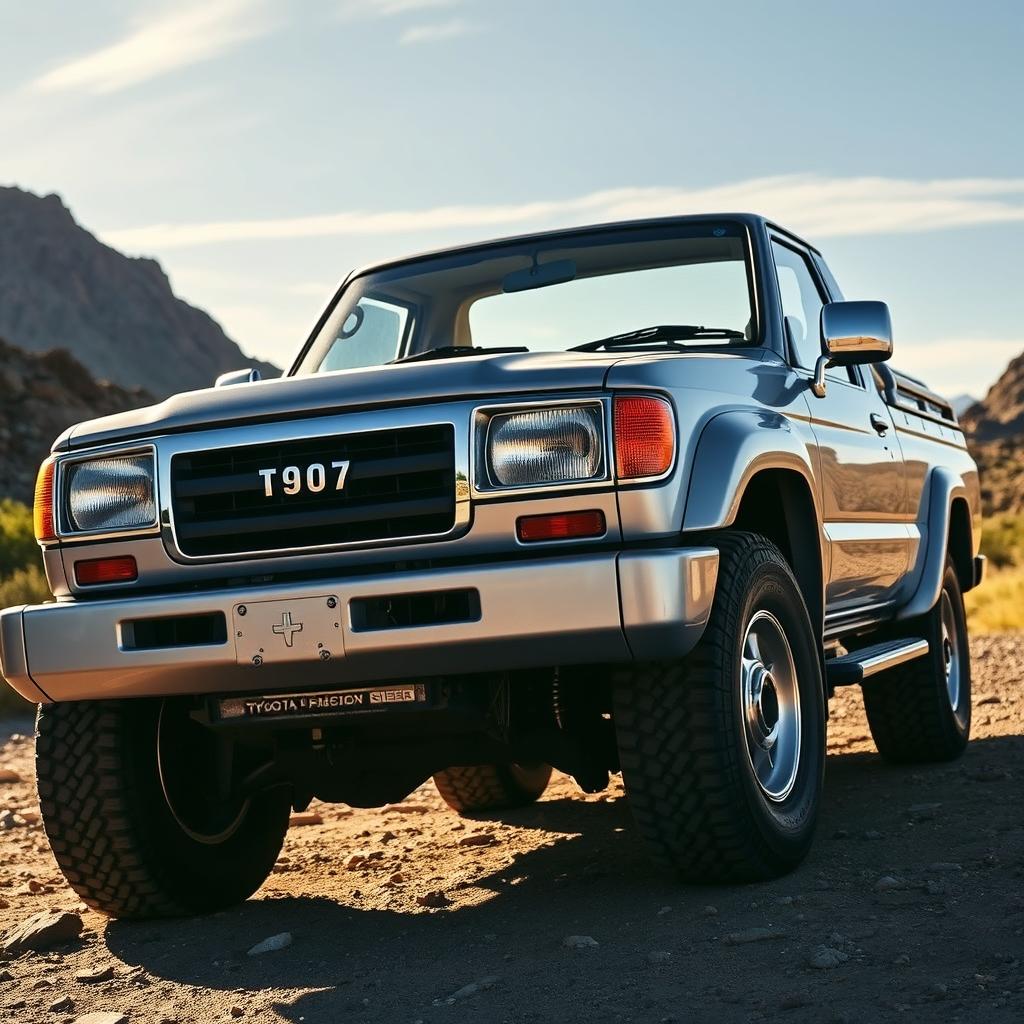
880 423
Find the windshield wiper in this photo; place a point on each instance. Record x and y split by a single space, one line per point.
666 333
453 351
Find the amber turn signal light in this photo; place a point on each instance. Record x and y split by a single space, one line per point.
92 571
561 526
42 507
645 436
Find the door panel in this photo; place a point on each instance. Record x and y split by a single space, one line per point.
861 473
863 497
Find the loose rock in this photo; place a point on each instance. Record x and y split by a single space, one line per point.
63 1005
95 975
468 990
305 818
271 945
433 899
824 958
752 935
41 931
889 883
580 942
478 839
659 956
7 775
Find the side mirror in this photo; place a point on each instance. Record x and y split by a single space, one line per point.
225 380
852 333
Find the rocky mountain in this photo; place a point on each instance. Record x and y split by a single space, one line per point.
995 427
60 287
40 395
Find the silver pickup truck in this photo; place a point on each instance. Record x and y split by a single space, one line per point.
631 498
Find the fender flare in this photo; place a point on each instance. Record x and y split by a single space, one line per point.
733 447
942 488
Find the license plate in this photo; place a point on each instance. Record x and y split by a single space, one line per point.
306 629
326 702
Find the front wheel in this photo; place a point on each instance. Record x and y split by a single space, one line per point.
130 799
723 752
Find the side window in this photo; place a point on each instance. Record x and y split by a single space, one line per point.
801 304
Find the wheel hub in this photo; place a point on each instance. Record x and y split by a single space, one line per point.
950 650
771 706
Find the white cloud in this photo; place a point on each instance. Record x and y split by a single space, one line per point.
353 9
954 366
816 206
158 45
450 29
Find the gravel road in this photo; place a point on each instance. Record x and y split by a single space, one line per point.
910 907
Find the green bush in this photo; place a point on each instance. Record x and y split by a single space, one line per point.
21 579
24 586
1002 540
18 548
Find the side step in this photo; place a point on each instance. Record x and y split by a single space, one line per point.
858 666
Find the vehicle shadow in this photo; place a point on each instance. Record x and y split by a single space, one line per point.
592 877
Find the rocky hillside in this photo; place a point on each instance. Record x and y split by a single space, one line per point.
62 288
995 427
40 395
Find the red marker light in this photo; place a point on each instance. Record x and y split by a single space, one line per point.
561 526
106 570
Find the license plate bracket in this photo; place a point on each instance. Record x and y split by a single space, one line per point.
286 630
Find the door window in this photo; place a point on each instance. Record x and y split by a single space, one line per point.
801 304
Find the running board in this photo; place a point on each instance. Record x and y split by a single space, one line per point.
860 665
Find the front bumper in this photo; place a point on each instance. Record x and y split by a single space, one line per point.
588 608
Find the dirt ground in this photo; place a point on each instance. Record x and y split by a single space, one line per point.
910 907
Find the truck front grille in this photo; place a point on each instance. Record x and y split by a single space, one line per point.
400 484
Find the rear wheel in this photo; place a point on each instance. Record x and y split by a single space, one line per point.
130 799
921 711
492 787
723 752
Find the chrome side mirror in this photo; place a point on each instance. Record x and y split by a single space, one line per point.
852 333
225 380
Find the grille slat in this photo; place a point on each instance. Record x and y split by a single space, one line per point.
400 483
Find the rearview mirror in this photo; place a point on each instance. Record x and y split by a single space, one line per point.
540 275
249 376
852 333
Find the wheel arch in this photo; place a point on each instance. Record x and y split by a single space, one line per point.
961 542
751 471
946 531
779 504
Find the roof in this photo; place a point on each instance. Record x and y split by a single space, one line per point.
750 220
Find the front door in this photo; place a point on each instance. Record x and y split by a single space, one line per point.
860 467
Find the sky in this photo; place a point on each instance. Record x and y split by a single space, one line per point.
260 149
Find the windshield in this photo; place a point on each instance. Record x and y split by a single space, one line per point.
551 293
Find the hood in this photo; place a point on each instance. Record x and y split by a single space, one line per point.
349 390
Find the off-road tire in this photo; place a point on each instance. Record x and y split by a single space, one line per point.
682 741
111 830
492 787
909 708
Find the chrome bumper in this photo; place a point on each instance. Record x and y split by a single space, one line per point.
594 608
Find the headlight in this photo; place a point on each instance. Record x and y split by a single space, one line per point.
114 493
545 446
